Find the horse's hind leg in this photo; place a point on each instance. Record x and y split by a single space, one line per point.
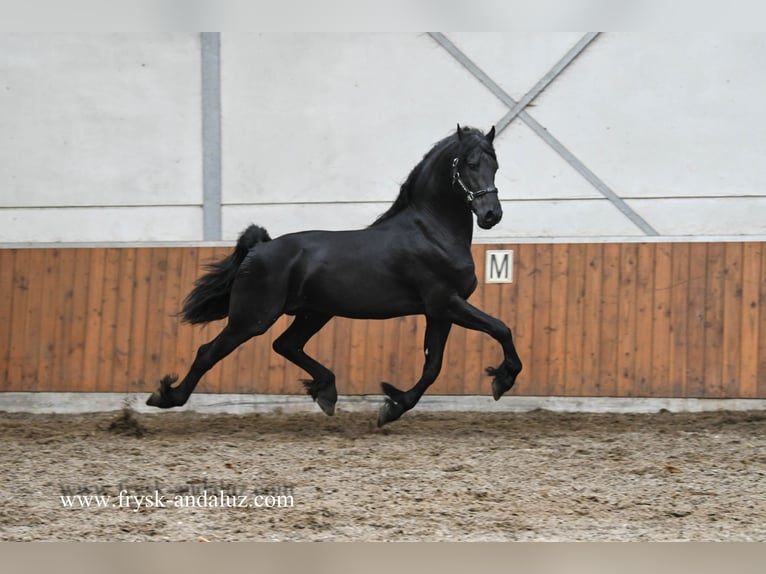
290 345
399 402
208 355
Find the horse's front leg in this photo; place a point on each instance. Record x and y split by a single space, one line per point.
462 313
398 402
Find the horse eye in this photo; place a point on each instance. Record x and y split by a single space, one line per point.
473 166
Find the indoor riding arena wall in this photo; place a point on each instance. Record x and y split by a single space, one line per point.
630 176
662 319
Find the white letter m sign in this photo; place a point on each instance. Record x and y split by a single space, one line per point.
499 266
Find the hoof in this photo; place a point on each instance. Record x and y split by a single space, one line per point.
504 379
324 395
162 397
498 390
327 407
389 412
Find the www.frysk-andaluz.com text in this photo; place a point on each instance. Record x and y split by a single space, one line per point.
190 496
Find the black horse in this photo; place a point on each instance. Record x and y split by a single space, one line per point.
415 259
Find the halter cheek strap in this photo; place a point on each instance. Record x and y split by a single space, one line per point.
469 194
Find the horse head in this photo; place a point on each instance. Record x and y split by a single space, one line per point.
473 175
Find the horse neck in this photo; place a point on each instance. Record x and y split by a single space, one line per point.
445 209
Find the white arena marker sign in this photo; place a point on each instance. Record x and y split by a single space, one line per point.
498 266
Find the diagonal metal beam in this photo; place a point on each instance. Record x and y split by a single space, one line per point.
552 74
543 133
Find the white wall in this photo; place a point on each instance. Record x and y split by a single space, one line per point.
100 137
101 134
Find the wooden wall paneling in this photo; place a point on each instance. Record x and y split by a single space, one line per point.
180 355
541 308
138 322
679 294
660 339
120 368
761 390
645 289
31 345
575 329
525 275
751 275
606 383
732 319
94 320
72 318
714 315
626 320
659 319
557 320
105 376
585 322
50 301
7 285
696 350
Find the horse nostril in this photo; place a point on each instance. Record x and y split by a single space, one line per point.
490 216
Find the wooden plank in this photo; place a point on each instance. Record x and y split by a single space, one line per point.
541 308
732 320
626 322
714 316
32 344
70 294
762 327
140 374
606 385
557 320
50 276
679 296
107 349
575 331
73 316
751 275
154 310
7 285
642 383
93 320
122 342
585 318
661 320
524 336
186 342
695 365
19 316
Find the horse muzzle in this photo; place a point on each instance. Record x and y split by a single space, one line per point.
487 216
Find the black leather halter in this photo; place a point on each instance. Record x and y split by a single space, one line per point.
469 194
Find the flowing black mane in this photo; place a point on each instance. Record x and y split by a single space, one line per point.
435 163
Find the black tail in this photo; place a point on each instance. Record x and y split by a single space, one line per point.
209 300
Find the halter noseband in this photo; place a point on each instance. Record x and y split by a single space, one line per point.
469 195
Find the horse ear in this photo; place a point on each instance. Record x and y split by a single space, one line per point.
491 134
459 133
